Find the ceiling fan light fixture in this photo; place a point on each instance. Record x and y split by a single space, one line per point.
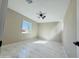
29 1
41 15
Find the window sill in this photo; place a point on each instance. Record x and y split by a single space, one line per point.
25 32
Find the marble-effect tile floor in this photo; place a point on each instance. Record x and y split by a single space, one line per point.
35 49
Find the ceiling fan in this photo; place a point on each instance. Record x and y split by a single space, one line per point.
29 1
41 15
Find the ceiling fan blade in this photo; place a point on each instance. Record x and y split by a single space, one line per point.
43 17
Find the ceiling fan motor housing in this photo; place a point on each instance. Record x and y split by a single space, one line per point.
29 1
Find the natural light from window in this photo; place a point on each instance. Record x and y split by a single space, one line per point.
26 27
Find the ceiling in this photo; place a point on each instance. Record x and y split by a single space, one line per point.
55 9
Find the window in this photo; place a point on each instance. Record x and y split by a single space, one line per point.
26 27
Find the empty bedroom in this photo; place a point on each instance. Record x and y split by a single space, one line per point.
38 28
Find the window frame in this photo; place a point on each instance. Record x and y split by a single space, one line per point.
29 29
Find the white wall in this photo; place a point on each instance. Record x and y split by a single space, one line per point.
50 31
45 29
13 28
69 34
78 26
3 10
